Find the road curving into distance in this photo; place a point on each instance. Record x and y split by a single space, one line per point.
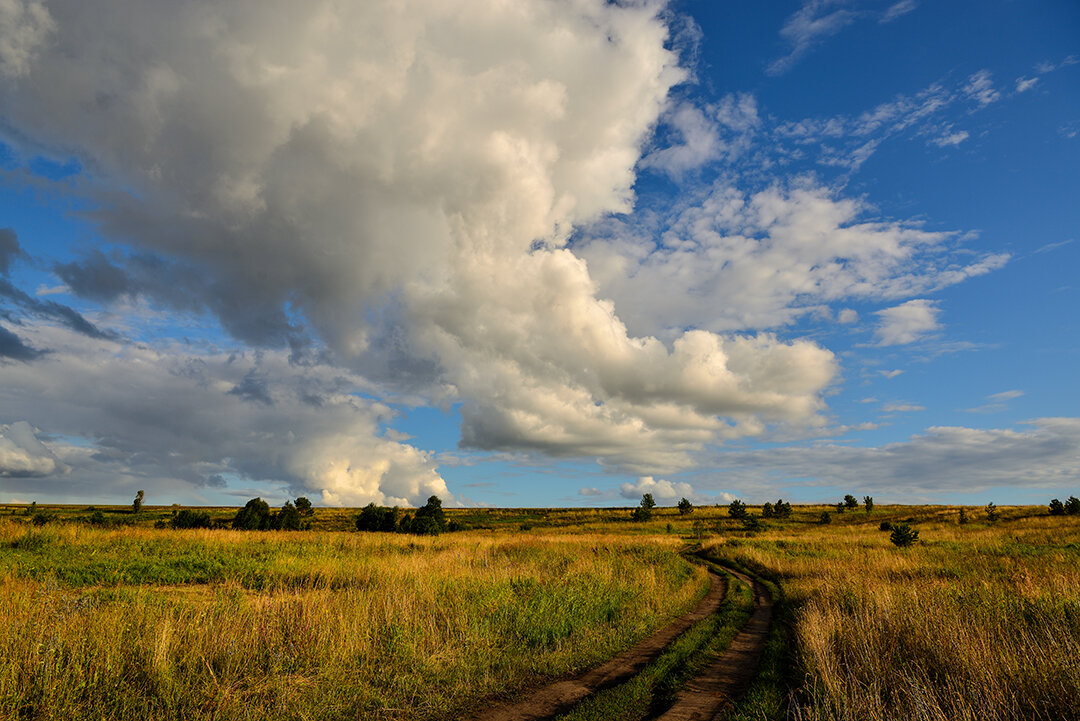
710 695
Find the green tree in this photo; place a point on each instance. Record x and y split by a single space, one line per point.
751 523
685 507
767 510
136 505
187 518
1057 508
303 506
644 510
429 520
851 502
963 518
287 519
737 509
824 518
255 516
903 535
868 503
992 514
1072 506
840 507
782 509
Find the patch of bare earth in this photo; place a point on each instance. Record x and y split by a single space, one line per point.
558 697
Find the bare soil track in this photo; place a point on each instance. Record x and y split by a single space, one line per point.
713 693
708 696
549 701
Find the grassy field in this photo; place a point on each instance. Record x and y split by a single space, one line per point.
131 622
122 620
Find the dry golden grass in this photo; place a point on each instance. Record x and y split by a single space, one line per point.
975 622
138 623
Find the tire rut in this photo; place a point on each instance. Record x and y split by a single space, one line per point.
552 699
711 695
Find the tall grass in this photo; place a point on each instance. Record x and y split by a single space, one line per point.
137 623
975 622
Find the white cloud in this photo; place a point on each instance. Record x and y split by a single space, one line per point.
898 407
729 260
814 21
847 316
661 489
951 139
890 373
22 455
172 421
1005 395
25 25
980 87
907 322
897 10
1025 84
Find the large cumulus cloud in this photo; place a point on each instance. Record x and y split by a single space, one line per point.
133 416
398 181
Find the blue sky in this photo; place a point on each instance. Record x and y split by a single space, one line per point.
547 254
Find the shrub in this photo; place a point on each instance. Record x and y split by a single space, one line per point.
287 519
645 509
1057 508
840 507
825 517
188 518
685 507
430 520
992 514
752 524
136 505
255 516
767 510
41 518
851 502
782 509
97 518
737 509
1072 506
903 535
963 518
868 503
374 518
885 526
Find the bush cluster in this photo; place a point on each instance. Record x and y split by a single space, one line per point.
1070 507
780 509
256 516
429 519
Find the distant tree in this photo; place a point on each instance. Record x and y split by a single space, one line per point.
1072 506
737 509
1057 508
644 510
255 516
868 503
851 502
840 507
685 507
767 510
903 535
136 505
429 520
287 519
32 508
824 518
187 518
751 523
303 505
782 509
963 518
992 514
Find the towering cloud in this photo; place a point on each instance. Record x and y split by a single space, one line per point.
398 182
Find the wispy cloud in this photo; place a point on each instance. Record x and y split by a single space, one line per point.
907 322
897 10
812 23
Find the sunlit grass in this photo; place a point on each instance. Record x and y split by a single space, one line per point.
138 623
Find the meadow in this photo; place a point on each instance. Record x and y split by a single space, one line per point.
123 620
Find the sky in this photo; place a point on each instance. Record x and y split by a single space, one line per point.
539 253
